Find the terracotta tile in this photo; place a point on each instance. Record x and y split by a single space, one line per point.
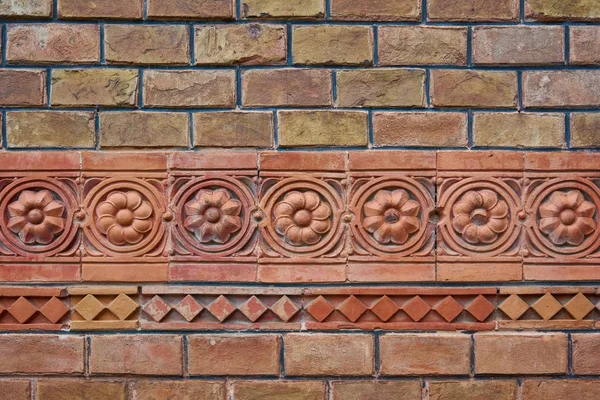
392 160
213 160
479 161
303 161
94 161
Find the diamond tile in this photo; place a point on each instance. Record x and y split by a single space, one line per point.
385 308
89 307
285 308
416 308
514 307
189 308
320 308
448 308
123 306
22 310
547 306
157 308
352 308
253 308
54 310
480 308
221 308
579 306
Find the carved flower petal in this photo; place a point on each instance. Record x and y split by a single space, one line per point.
16 209
27 235
410 208
232 207
473 198
321 227
559 235
142 225
371 224
574 235
309 236
42 234
463 208
205 233
460 222
471 234
574 199
487 235
587 225
104 223
373 208
411 224
549 224
106 209
283 209
220 197
399 197
134 199
196 207
27 198
54 209
43 198
15 224
117 199
295 199
143 211
586 209
230 224
384 234
293 235
383 197
192 222
283 223
500 210
115 235
498 225
549 209
132 236
399 234
559 199
322 212
54 224
311 200
489 198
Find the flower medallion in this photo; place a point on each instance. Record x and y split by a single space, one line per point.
567 217
124 217
213 216
391 216
302 218
480 216
36 217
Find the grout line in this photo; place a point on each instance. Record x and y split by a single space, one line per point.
520 90
334 88
375 45
102 45
186 357
3 131
289 54
145 10
238 88
140 98
424 12
4 41
275 130
472 356
567 45
192 44
428 88
282 357
470 47
568 130
191 133
48 87
370 132
522 11
97 130
328 10
569 354
238 9
54 10
470 132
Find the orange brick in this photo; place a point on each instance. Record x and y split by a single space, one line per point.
80 389
49 354
473 10
313 9
407 390
184 390
585 351
190 9
560 390
114 9
332 45
376 10
15 390
263 390
477 89
22 88
473 390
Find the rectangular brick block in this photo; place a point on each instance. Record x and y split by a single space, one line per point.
519 45
418 45
95 87
473 10
272 390
561 89
251 44
381 88
234 355
233 129
584 130
520 353
332 45
420 129
585 42
477 89
322 128
113 9
407 390
425 354
553 10
22 88
144 129
328 355
147 44
210 89
80 389
40 273
560 390
518 130
137 355
39 129
376 10
53 43
283 9
42 354
190 9
186 390
26 9
585 351
124 273
473 390
286 88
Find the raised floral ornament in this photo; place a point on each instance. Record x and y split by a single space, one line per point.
391 216
36 217
567 218
125 217
213 216
302 218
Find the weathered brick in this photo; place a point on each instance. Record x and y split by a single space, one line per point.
95 87
473 10
234 355
116 272
322 354
186 390
477 89
114 9
80 389
584 45
407 390
49 354
286 88
585 354
381 88
22 88
520 353
561 10
425 354
251 44
15 390
26 8
560 390
190 9
233 129
210 89
562 89
144 129
472 390
322 128
53 43
332 45
522 45
139 355
420 129
420 45
147 44
283 8
279 390
376 10
584 130
518 130
50 129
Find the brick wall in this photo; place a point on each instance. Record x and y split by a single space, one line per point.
299 199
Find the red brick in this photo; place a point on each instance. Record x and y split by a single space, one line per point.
138 355
15 390
372 160
125 273
40 273
561 89
234 354
186 390
376 10
585 354
212 273
114 9
80 389
97 161
463 272
425 354
301 273
476 89
480 161
560 390
585 42
561 162
473 390
279 390
214 160
190 9
328 355
303 161
22 88
47 354
473 10
27 9
408 390
360 272
521 353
